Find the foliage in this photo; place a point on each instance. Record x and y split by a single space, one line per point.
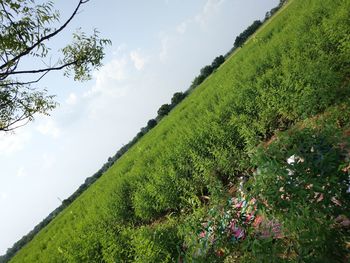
247 33
26 28
156 244
164 110
302 181
177 98
151 124
275 91
274 10
207 71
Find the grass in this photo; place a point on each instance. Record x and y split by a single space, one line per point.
151 204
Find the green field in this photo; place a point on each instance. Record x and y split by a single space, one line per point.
285 92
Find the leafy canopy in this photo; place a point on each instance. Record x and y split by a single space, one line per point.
25 30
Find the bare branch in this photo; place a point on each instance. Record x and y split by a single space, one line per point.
9 70
19 119
41 70
24 83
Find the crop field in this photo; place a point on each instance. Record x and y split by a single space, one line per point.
252 166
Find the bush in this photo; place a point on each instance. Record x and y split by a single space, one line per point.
156 244
301 181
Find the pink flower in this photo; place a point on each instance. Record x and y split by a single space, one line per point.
249 217
232 225
239 205
202 234
238 233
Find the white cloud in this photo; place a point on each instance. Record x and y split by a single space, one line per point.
137 59
120 49
111 84
165 44
210 11
3 196
21 172
113 71
72 99
13 142
48 161
210 8
181 29
49 128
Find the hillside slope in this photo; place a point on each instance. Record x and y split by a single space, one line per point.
152 204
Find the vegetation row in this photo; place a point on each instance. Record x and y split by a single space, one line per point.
252 166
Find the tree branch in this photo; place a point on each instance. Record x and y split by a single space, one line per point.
46 70
8 15
29 49
24 83
23 117
4 75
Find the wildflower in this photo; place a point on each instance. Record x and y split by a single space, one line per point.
249 218
239 205
236 231
202 234
239 233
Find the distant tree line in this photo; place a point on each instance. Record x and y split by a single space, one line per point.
161 113
274 10
206 71
243 37
179 96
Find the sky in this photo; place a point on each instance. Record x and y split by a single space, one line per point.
159 46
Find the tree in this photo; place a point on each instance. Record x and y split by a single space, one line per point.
206 71
197 80
217 62
163 110
25 30
177 98
239 41
151 124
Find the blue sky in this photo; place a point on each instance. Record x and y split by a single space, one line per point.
159 46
